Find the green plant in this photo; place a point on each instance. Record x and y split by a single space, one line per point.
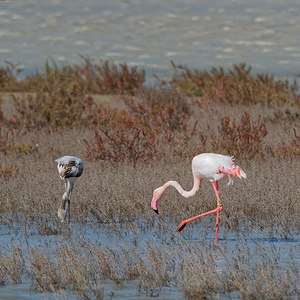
22 148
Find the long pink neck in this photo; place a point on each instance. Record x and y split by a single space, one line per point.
178 187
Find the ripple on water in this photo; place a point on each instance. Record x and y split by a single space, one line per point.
153 31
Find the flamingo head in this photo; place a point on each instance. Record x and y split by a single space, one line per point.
61 213
236 171
157 194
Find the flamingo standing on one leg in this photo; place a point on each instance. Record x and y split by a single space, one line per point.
209 166
69 169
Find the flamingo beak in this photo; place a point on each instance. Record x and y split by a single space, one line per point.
243 174
154 205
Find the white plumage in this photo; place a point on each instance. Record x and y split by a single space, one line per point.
209 165
70 169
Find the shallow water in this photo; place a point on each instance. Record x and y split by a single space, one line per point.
150 33
230 246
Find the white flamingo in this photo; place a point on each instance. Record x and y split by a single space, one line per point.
209 166
69 169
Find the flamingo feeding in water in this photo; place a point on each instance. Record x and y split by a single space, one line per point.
69 169
209 166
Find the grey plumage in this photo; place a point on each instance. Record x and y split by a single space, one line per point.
70 169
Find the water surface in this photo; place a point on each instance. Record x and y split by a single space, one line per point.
199 237
150 33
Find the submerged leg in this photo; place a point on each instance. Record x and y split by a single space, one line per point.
68 210
217 223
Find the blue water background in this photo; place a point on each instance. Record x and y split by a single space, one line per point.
151 33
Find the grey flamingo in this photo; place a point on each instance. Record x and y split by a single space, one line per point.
70 169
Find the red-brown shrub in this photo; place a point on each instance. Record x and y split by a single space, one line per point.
135 133
234 86
120 136
8 171
241 139
293 147
109 78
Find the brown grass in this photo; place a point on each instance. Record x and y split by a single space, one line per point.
235 86
200 269
102 78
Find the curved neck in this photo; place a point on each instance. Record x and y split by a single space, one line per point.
184 193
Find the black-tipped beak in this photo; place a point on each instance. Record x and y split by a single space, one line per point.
154 204
156 210
180 227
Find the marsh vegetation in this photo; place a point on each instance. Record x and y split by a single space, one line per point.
133 138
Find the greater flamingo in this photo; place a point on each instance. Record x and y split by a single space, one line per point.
69 169
209 166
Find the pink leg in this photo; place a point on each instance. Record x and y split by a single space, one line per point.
217 210
217 223
183 223
219 203
216 189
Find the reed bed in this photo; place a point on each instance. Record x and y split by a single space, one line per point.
199 269
133 138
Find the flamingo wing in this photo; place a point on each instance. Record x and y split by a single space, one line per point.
69 166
